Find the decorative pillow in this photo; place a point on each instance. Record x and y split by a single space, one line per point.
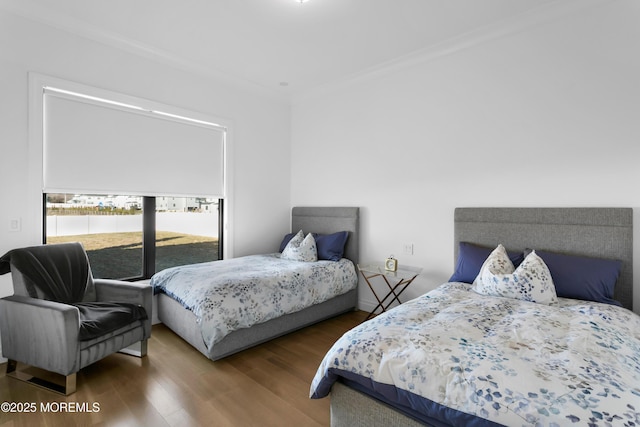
470 260
305 250
331 246
531 281
585 278
297 238
498 261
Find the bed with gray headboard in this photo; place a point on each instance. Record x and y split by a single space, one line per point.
595 232
452 360
321 220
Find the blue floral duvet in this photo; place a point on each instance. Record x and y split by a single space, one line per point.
238 293
460 358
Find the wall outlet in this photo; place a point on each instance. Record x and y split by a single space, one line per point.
407 248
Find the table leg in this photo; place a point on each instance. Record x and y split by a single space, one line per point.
392 292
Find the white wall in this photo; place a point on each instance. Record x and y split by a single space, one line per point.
545 116
260 123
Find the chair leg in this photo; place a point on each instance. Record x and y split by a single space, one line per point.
12 365
62 384
70 384
138 349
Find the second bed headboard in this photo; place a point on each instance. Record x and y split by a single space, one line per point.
596 232
327 220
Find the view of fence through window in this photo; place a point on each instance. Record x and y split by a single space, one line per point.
110 228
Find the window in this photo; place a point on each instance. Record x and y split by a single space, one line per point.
142 185
119 236
109 227
188 233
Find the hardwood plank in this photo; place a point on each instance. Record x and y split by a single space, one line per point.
175 385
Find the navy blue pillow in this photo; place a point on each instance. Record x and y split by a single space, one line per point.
584 278
331 246
285 241
470 260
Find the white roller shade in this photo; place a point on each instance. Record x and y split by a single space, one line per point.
93 146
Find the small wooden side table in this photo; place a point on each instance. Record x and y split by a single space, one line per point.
397 281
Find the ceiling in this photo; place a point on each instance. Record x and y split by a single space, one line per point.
279 45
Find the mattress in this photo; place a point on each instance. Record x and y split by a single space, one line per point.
238 293
456 357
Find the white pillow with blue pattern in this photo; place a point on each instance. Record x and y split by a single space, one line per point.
531 281
498 261
301 248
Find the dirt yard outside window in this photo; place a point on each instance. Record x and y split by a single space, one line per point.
119 255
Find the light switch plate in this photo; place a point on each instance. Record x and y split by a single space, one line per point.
15 224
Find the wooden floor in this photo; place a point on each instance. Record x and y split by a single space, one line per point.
175 385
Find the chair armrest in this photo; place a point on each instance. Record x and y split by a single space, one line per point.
120 291
40 333
132 293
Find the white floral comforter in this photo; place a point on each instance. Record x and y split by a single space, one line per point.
241 292
512 362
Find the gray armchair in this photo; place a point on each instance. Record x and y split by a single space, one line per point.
60 319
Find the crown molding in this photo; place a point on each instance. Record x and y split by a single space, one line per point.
532 18
542 14
60 22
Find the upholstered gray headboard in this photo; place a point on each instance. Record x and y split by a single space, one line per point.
597 232
330 219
